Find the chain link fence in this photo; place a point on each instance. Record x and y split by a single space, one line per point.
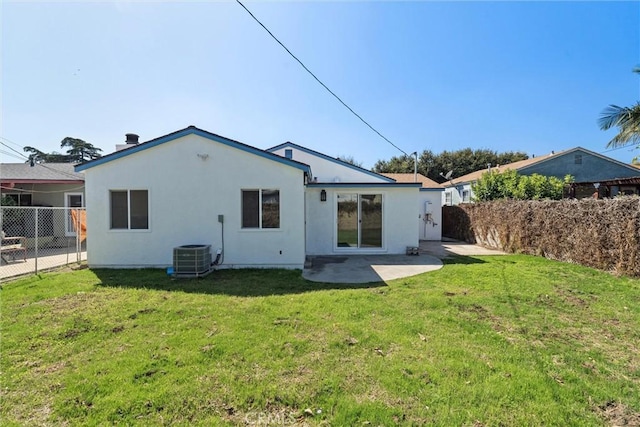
40 238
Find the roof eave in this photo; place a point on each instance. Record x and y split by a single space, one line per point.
196 131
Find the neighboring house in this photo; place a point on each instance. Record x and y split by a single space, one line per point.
47 184
429 204
583 165
267 208
607 188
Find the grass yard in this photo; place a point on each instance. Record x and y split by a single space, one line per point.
486 341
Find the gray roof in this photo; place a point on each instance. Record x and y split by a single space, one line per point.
39 172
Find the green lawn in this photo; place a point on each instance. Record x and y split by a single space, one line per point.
485 341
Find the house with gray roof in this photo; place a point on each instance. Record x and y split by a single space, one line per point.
51 185
585 166
44 184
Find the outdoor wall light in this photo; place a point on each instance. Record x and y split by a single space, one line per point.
323 196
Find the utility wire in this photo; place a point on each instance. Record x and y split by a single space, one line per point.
41 164
10 141
14 150
7 153
319 81
619 148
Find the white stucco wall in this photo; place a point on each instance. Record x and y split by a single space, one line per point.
399 220
329 171
186 195
430 227
456 194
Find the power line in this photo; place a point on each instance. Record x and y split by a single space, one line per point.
618 148
14 150
319 81
41 164
7 153
10 141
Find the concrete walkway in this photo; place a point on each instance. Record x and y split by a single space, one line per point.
53 259
448 248
380 268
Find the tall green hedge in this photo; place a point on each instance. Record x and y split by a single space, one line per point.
511 185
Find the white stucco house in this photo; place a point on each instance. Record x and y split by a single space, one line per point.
429 204
264 208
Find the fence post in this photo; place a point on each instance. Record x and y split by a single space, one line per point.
35 250
78 235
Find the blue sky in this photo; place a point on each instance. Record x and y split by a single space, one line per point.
525 76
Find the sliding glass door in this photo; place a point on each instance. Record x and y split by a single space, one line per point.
347 220
371 220
359 220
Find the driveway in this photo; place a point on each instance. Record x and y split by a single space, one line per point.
380 268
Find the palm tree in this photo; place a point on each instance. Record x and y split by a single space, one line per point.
626 119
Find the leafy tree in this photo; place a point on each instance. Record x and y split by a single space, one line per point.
35 154
511 185
626 119
42 157
78 151
397 164
350 160
460 162
7 201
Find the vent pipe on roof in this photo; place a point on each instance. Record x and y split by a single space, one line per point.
132 138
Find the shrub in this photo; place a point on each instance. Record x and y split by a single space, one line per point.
511 185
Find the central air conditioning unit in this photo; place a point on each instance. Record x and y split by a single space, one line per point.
192 260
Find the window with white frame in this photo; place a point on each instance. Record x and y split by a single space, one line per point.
129 209
466 196
447 198
72 200
261 208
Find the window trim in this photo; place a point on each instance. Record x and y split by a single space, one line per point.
466 199
129 229
448 198
19 196
68 227
260 226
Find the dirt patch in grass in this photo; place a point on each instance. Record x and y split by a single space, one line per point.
617 414
574 298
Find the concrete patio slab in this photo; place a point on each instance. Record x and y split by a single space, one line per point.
380 268
368 268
